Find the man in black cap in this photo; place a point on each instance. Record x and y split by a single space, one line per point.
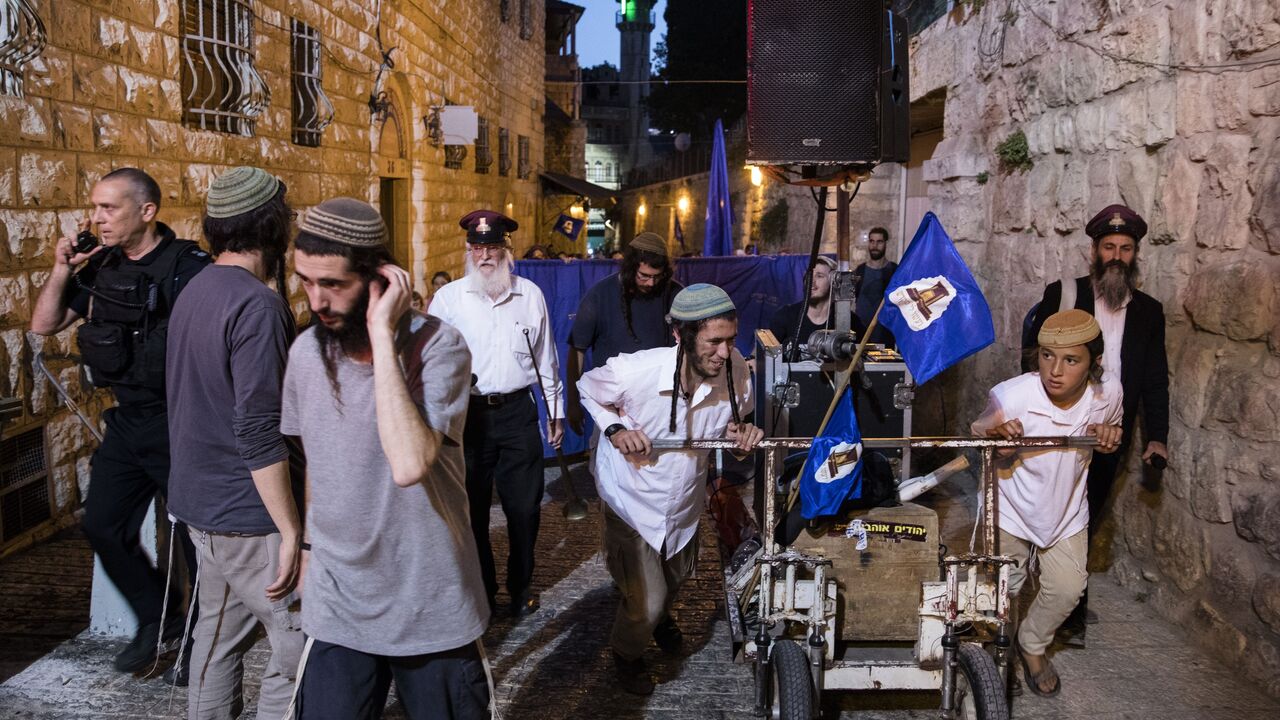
1134 356
503 317
623 313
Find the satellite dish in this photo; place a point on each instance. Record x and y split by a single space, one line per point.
683 142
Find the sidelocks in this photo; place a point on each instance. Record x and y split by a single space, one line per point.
805 629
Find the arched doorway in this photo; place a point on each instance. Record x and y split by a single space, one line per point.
393 181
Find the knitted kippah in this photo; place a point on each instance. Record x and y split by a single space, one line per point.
1067 329
346 220
700 301
650 242
239 190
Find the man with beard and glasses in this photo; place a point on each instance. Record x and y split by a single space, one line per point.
816 308
873 277
623 313
502 316
1134 356
652 501
230 480
378 394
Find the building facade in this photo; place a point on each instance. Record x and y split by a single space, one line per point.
336 98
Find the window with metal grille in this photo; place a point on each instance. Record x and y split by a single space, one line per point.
484 156
312 111
522 158
221 89
22 39
24 483
526 19
454 155
504 151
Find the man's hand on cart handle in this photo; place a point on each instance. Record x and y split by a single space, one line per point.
1006 431
632 442
1108 436
745 435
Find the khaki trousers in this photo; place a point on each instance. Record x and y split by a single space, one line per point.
234 572
647 581
1063 578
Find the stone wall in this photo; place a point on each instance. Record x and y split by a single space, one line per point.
1194 150
106 93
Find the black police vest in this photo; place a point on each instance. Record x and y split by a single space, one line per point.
123 339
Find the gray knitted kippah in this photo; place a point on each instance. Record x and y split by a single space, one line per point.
700 301
346 220
240 190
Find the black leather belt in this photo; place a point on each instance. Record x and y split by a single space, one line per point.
496 399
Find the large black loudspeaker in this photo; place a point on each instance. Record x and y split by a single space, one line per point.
826 83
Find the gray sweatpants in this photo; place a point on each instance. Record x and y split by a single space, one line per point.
648 583
234 572
1063 577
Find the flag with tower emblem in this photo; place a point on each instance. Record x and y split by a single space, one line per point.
833 471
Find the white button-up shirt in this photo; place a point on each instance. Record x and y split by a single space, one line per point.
1112 324
495 333
660 496
1043 492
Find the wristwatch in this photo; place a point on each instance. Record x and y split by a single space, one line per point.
613 429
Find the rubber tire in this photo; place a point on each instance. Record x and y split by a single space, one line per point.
790 669
978 670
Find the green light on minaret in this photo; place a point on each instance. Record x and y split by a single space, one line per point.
628 10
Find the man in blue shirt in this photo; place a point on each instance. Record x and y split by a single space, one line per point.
873 277
624 313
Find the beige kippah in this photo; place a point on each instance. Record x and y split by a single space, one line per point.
1068 329
650 242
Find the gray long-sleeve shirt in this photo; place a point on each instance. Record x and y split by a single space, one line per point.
228 345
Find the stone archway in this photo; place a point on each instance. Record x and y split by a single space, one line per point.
393 164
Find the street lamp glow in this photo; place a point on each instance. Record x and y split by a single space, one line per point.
642 210
683 204
757 177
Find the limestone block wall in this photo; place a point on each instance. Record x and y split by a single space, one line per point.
106 93
1170 108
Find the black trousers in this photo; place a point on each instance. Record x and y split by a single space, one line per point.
339 683
503 447
128 469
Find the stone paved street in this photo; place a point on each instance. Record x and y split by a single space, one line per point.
555 664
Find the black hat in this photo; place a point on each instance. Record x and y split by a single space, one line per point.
1117 219
486 227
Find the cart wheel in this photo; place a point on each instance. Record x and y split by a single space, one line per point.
792 687
979 690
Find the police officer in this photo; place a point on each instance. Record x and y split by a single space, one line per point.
125 289
502 316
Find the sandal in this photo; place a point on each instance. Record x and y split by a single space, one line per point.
1046 674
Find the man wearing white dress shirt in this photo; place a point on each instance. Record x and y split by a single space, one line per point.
501 315
652 500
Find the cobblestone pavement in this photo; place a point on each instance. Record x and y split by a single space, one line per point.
555 664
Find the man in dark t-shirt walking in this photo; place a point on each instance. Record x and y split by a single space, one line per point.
231 483
624 313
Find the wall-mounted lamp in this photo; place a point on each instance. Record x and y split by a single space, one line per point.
379 106
431 121
757 177
642 210
683 204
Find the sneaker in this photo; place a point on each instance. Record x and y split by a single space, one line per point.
632 675
525 607
140 653
1072 635
668 636
179 673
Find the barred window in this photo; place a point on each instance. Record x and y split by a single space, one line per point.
454 155
522 158
22 39
484 157
504 151
221 89
526 19
312 111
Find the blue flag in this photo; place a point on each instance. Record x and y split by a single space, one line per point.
833 471
933 306
568 226
718 230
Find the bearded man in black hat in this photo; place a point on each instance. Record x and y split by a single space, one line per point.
503 318
1133 330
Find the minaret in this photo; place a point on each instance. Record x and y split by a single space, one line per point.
635 23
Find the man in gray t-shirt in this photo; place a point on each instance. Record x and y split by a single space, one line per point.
379 394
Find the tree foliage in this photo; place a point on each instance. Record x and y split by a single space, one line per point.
705 40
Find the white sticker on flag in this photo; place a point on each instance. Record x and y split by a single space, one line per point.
839 462
923 301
